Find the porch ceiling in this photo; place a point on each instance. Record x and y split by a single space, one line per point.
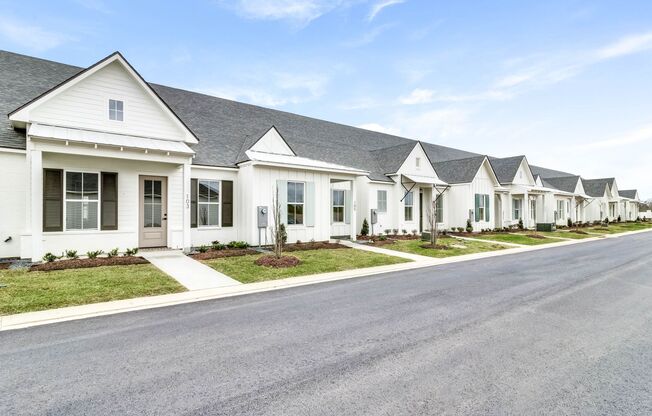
417 179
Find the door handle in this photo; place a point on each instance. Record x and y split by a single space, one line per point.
165 217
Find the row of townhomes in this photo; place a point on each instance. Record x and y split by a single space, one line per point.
97 157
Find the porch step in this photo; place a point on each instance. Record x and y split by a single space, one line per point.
187 271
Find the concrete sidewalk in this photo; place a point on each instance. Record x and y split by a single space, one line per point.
187 271
29 319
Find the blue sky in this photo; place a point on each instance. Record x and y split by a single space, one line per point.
566 83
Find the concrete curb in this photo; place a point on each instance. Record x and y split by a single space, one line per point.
25 320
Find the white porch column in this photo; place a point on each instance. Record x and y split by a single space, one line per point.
525 210
354 212
36 204
187 243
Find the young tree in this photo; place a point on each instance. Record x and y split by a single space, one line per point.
431 216
278 228
365 228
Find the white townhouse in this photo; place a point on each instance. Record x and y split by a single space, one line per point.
630 204
608 200
570 198
97 158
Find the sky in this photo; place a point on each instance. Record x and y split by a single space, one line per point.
566 83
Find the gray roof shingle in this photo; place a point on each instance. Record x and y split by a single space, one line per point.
628 193
596 187
564 183
548 173
506 167
459 170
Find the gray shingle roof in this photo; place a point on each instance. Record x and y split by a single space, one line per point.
564 183
595 187
628 193
506 167
548 173
459 170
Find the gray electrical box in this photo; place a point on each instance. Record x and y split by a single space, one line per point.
374 216
263 215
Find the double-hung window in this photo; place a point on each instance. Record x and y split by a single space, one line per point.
116 110
408 203
338 205
208 203
560 210
439 209
533 210
482 208
382 201
516 208
295 203
82 196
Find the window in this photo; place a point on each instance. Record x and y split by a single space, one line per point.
116 110
109 208
295 203
382 201
82 192
482 208
516 208
560 210
417 162
208 203
533 210
408 201
52 200
338 205
439 209
152 203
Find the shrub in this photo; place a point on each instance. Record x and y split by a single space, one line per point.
241 244
404 231
283 233
112 253
71 254
569 223
395 231
387 231
414 232
638 219
382 238
203 248
216 245
365 227
520 223
619 219
93 254
130 252
298 242
49 257
460 229
606 221
469 226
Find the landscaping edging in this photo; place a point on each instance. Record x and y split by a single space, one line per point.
87 263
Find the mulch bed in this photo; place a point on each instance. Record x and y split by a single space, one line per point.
4 266
436 246
272 261
537 236
389 236
87 263
380 243
579 232
218 254
315 245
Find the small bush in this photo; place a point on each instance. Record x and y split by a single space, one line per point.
414 232
395 231
387 231
203 248
130 252
520 223
382 238
619 219
112 253
460 229
569 223
298 242
606 221
469 226
365 227
93 254
404 231
71 254
49 257
283 232
241 244
216 245
638 219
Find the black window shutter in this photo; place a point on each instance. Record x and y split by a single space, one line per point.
52 200
109 201
227 203
193 203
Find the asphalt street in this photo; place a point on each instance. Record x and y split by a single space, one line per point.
566 330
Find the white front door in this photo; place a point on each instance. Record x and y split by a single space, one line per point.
153 212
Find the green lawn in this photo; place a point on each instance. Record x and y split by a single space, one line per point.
34 291
566 234
244 270
616 228
414 247
516 239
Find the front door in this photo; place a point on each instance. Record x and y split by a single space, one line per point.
153 212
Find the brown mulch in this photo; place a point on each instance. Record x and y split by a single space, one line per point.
579 232
389 236
218 254
380 243
86 263
315 245
537 236
436 246
272 261
4 266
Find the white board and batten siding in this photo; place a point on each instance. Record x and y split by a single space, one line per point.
126 236
12 208
206 235
85 105
460 200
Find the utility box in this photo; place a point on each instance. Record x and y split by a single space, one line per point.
374 216
546 226
263 216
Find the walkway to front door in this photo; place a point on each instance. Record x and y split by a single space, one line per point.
190 273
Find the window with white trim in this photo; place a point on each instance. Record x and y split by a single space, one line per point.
516 209
417 162
482 207
408 210
439 209
560 210
381 196
533 209
208 203
82 200
116 110
338 205
295 203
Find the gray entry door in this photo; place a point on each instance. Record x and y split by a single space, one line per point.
153 212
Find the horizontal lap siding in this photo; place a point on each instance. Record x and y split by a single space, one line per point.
13 188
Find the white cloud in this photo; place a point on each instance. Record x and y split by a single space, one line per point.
418 96
380 128
369 36
379 6
30 36
300 11
626 46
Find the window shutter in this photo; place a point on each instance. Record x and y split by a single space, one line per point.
52 200
282 188
487 213
348 205
109 209
310 204
227 203
477 207
193 203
